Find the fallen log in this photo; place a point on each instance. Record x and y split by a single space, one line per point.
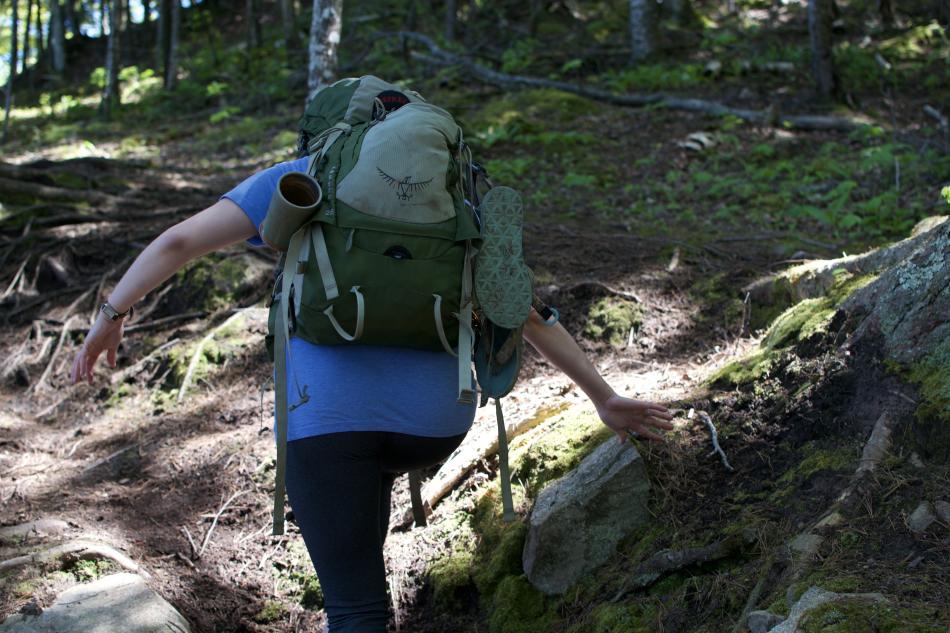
770 118
46 192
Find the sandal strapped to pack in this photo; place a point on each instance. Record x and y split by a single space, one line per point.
503 282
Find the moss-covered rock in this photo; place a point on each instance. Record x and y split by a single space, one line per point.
517 607
451 578
611 320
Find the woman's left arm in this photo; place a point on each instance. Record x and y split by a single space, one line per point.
220 225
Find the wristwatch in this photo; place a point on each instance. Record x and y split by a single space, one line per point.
112 314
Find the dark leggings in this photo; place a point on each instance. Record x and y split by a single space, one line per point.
339 486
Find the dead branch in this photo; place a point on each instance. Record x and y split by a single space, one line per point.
666 561
196 356
591 283
109 458
59 346
714 435
158 323
191 542
770 118
120 376
80 549
217 516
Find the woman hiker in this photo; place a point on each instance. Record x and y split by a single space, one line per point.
376 412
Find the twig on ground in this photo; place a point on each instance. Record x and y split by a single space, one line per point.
16 278
49 366
131 369
715 436
108 458
191 542
593 283
157 323
196 356
755 595
217 516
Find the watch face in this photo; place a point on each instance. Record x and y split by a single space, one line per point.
109 311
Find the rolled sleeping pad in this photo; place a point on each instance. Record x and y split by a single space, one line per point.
295 201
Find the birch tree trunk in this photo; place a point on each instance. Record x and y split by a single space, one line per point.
171 66
642 29
57 38
110 94
325 30
13 62
288 19
822 58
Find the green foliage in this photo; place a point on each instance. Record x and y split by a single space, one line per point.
272 611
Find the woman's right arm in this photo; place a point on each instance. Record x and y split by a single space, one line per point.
220 225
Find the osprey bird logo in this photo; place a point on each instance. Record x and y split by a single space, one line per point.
404 188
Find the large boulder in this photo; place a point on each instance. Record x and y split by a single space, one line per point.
578 520
119 603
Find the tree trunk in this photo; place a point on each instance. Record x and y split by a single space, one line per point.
162 36
325 29
13 62
289 21
450 16
26 34
103 16
822 57
642 29
171 67
57 36
885 9
110 94
69 15
252 17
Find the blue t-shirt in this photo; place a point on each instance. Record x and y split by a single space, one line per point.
360 387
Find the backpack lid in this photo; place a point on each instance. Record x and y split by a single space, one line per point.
352 100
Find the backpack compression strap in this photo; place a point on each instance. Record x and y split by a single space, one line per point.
298 242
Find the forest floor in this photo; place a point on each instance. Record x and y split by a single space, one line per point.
180 478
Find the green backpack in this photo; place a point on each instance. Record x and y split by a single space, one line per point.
386 257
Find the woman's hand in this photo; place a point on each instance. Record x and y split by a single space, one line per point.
640 417
104 336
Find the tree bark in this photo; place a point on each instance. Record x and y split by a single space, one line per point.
642 29
69 15
252 16
450 17
822 56
110 94
326 27
26 34
57 36
13 62
162 32
885 9
289 21
171 66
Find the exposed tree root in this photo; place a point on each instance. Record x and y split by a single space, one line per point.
78 549
772 118
666 561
